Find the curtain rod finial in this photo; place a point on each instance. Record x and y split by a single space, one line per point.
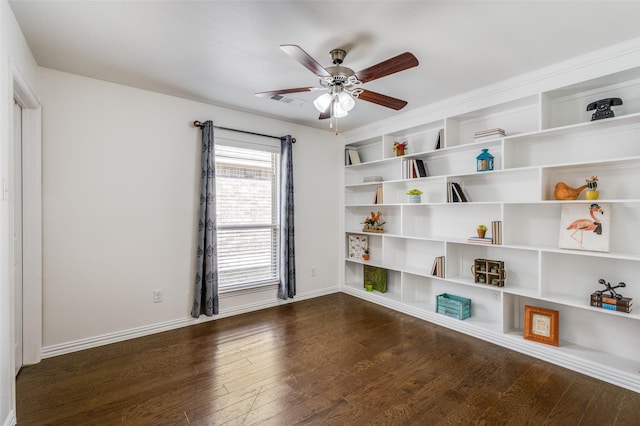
198 123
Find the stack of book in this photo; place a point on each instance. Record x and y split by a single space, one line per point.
455 194
414 168
484 135
351 157
611 303
496 231
370 179
438 267
479 240
378 199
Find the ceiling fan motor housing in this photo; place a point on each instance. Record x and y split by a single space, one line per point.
337 56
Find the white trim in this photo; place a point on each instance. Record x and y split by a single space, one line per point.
32 215
545 353
11 419
119 336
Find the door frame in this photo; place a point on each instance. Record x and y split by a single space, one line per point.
31 215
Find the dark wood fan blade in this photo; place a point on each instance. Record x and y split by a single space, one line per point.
284 91
303 57
380 99
396 64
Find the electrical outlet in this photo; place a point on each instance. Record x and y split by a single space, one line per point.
157 296
313 272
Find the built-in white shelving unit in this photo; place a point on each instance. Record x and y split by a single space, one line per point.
550 139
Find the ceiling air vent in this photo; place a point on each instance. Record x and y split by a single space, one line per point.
287 100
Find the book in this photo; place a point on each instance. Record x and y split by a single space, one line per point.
438 267
487 138
624 301
440 140
496 231
626 309
490 131
378 199
422 170
457 195
478 240
354 156
357 245
370 179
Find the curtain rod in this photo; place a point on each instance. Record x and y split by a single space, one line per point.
200 124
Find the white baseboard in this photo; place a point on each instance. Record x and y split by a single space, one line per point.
609 374
11 419
119 336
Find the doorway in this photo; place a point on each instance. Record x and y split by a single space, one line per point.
16 210
24 192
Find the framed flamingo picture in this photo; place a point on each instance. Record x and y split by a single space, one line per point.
585 226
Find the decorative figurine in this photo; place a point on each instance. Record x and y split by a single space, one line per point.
563 191
484 161
603 108
592 192
610 289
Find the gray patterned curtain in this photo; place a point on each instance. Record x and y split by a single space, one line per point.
287 287
206 285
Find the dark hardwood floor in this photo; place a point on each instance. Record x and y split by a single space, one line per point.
334 360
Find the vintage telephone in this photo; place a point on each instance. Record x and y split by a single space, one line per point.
603 108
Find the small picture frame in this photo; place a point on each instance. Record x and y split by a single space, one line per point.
542 325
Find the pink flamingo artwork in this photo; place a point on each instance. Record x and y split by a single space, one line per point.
588 225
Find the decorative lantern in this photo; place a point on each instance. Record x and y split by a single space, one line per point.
484 161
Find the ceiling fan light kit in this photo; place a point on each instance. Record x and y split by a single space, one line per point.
343 84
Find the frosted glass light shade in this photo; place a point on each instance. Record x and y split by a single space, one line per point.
322 102
339 111
346 101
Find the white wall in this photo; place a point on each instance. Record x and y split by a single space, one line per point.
14 52
120 198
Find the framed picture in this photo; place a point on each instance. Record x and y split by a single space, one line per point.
585 227
541 325
357 245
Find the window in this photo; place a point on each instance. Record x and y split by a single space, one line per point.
247 198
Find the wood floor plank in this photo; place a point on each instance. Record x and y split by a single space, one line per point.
332 360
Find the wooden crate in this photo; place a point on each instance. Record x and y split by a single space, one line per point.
453 306
490 272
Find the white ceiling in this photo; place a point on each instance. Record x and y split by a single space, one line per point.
222 52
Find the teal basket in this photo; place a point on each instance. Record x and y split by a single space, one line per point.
453 306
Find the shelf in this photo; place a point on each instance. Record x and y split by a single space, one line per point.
360 287
583 303
607 364
550 139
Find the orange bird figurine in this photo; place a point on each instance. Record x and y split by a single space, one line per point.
582 225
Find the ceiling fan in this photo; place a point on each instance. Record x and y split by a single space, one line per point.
342 84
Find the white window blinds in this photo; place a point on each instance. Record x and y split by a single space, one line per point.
247 202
